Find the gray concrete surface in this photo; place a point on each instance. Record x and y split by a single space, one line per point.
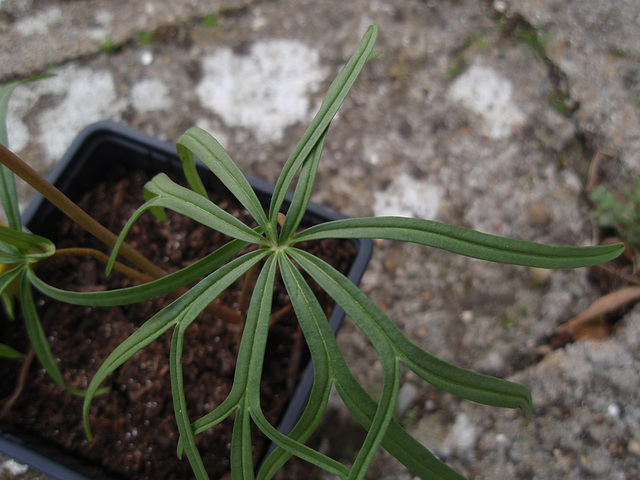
484 114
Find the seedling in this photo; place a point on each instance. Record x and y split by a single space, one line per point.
620 212
277 253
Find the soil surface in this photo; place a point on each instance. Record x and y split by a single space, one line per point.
135 435
497 115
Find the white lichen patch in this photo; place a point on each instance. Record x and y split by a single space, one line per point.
484 91
265 90
39 23
462 436
407 197
150 95
87 96
23 98
102 27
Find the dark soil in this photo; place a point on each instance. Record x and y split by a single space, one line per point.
133 425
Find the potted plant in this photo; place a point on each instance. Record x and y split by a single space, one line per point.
110 150
276 236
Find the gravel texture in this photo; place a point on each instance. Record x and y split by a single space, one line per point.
483 114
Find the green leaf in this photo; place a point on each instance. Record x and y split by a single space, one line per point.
190 170
185 308
8 196
311 318
463 241
320 339
297 448
36 334
146 291
336 94
180 403
302 194
7 352
8 277
411 453
33 247
251 349
241 455
8 304
163 192
213 155
246 382
248 374
459 381
9 255
168 194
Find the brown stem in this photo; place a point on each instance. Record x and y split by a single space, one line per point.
249 277
73 211
227 314
104 258
22 377
276 316
69 208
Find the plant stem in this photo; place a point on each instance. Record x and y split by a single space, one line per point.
103 258
227 314
26 363
69 208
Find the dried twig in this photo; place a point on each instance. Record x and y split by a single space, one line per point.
22 377
606 304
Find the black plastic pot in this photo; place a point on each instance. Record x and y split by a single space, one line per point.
84 165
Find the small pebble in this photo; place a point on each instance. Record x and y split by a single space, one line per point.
614 410
500 6
633 447
502 440
466 316
539 276
13 467
406 397
539 215
146 58
395 259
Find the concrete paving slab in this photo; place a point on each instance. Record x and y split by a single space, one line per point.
462 114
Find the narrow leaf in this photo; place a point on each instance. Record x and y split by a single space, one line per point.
318 334
187 438
7 352
35 247
8 277
241 457
390 368
8 196
199 208
35 332
302 194
146 291
213 155
463 241
167 194
251 358
336 94
190 170
397 441
297 448
311 318
462 382
251 349
185 308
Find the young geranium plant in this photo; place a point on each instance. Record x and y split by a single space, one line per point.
277 237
